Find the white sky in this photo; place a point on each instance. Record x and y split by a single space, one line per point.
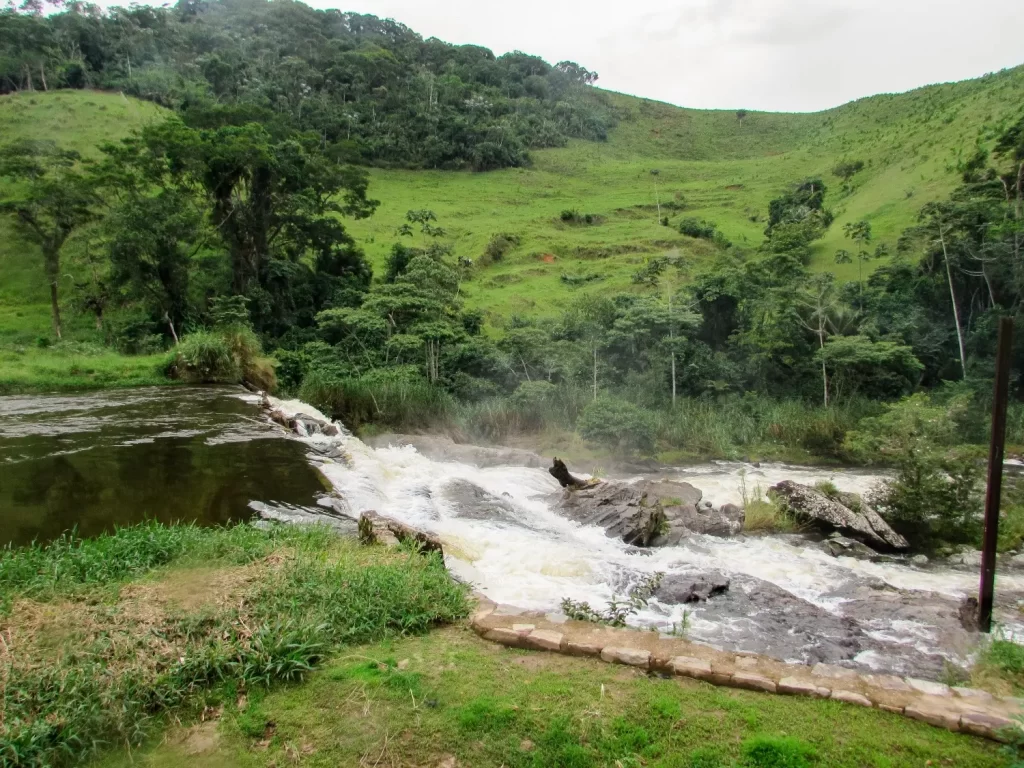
782 55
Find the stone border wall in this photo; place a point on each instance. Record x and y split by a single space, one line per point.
965 710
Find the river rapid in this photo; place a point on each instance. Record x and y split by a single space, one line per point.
788 597
211 455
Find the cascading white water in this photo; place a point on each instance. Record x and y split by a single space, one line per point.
533 557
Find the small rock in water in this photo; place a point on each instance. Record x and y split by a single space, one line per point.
676 590
919 560
1017 561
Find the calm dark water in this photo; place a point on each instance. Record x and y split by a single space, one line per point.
98 460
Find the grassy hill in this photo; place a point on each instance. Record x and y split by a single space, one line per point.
711 164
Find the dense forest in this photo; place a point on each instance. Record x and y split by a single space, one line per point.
373 89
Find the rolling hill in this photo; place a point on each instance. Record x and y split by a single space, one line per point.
711 164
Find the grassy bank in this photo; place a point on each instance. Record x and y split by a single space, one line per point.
103 638
171 645
75 367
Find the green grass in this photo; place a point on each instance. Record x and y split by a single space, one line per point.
449 698
110 634
73 367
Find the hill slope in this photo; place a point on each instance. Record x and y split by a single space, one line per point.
711 164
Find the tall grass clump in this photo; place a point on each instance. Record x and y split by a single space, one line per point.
227 355
409 402
112 668
721 428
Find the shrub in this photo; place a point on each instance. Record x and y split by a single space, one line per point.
933 499
227 356
699 228
618 424
572 216
934 496
498 246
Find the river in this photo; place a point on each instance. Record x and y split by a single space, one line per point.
209 455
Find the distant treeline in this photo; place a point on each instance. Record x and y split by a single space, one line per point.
373 87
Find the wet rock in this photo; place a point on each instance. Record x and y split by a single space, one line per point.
1016 561
621 509
764 618
680 590
968 612
856 503
707 520
840 546
671 493
919 560
970 558
474 503
810 505
441 448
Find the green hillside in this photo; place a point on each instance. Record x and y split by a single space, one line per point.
711 164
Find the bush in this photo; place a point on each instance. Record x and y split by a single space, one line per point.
933 499
498 246
227 356
618 424
572 216
699 228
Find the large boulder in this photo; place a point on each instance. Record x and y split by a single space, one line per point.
656 513
621 509
810 505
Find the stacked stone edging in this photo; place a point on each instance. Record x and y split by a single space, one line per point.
964 710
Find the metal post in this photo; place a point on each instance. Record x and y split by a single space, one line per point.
995 474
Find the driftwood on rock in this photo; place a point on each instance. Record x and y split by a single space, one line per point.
377 529
561 473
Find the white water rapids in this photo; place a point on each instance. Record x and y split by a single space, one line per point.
534 557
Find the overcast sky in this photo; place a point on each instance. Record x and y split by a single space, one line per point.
789 55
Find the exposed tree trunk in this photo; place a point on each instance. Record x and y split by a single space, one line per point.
55 306
42 77
824 370
170 327
956 309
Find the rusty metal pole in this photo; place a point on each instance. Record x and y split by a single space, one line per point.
995 474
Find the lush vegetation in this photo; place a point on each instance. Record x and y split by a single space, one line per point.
103 636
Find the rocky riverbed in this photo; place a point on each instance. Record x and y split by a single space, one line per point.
845 593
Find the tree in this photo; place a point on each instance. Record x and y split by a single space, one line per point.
54 199
860 233
847 169
819 302
273 201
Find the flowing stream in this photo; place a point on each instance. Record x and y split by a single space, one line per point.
210 455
